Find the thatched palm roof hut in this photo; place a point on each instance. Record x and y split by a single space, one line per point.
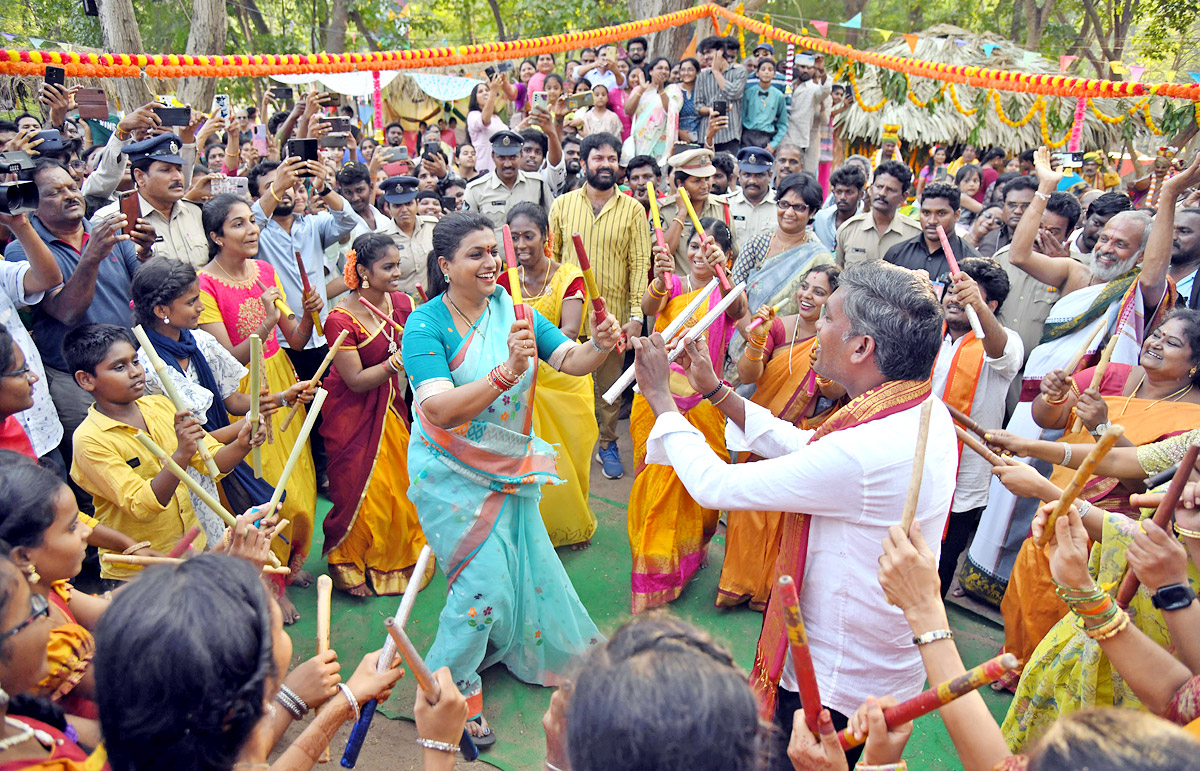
941 123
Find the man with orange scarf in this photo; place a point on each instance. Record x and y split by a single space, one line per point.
878 339
972 374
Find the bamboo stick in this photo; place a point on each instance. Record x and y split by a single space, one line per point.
1098 373
255 387
316 378
298 447
918 467
1082 475
324 601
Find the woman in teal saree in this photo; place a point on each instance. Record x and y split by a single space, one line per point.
477 471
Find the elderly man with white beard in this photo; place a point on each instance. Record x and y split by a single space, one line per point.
1121 295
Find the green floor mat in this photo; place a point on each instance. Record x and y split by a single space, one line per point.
601 577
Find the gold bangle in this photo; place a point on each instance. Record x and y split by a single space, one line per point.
271 190
760 357
1056 402
655 293
1183 531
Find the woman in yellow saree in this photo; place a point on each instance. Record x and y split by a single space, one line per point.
668 531
777 363
564 407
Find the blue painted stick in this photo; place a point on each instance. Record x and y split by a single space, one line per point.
359 732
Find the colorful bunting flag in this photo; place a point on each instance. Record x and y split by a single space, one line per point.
912 41
989 47
9 35
887 34
959 42
1027 57
1118 67
854 22
821 26
1194 76
1136 71
1064 62
37 42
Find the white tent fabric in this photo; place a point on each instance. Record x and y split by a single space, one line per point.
348 83
445 88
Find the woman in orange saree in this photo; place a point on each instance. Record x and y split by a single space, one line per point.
777 362
1156 399
668 531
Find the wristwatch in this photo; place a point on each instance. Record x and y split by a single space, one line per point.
1173 597
1100 428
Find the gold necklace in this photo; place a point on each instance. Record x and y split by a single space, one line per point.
545 282
229 275
470 326
1182 392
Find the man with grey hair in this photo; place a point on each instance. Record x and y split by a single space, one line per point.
1120 296
879 335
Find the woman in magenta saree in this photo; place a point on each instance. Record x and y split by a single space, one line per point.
477 471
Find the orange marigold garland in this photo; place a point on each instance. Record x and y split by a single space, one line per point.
957 104
858 95
1038 105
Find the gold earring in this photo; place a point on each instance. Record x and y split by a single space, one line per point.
32 574
366 284
1192 373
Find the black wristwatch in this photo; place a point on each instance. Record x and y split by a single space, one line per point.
1173 597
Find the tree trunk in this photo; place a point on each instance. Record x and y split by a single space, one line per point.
260 23
669 42
119 28
365 30
1035 22
207 37
499 17
849 9
335 34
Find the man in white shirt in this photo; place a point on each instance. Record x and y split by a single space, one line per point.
973 375
879 336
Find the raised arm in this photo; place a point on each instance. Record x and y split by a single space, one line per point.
68 304
1055 271
44 273
1156 259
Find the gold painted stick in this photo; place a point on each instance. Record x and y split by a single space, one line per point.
144 561
1098 374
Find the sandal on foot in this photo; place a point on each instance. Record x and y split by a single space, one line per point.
487 738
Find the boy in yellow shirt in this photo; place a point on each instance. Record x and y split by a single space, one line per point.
132 493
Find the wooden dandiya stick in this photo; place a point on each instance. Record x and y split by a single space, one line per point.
164 377
181 546
279 303
255 391
806 676
918 467
940 695
668 334
656 219
316 316
589 276
1162 516
514 278
972 314
269 423
979 447
324 603
1087 346
1162 477
1098 373
424 677
1146 500
359 732
316 378
183 476
1082 475
301 441
386 319
966 421
758 322
687 203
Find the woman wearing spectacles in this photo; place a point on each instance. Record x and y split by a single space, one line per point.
16 395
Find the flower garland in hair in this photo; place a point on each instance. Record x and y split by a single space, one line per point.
548 247
350 274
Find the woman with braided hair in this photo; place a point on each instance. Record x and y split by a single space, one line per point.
372 536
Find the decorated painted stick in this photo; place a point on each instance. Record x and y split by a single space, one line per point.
1082 475
181 546
255 391
758 321
1162 516
164 377
628 376
424 677
142 561
972 314
316 378
359 732
940 695
918 467
279 303
806 676
316 316
391 322
707 321
182 475
1098 373
324 603
314 409
655 218
421 293
514 278
687 203
589 277
979 447
965 420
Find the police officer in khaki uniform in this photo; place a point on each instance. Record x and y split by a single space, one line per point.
414 233
752 207
692 173
492 195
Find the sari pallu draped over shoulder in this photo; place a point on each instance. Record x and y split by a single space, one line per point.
771 652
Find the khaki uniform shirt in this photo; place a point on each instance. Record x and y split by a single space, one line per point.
669 208
414 252
858 240
491 198
750 220
181 237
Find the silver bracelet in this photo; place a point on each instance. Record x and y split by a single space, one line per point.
432 744
1066 454
592 340
934 636
345 689
1084 508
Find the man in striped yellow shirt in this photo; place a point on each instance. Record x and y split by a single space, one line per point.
617 238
